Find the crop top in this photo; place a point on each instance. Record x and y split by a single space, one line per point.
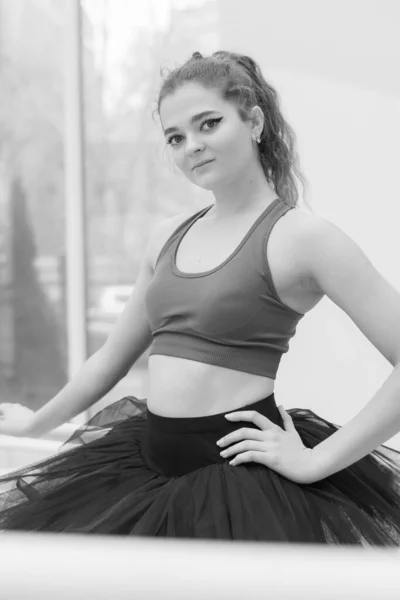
230 316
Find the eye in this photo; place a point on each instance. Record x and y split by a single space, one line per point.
215 120
169 141
212 121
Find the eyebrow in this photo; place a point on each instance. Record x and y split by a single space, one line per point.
192 120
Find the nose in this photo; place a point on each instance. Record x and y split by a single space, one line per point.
193 145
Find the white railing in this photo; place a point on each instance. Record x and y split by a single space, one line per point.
69 566
16 452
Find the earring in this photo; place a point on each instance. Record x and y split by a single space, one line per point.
258 140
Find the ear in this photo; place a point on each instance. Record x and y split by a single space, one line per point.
257 121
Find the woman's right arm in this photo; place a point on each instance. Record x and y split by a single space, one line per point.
130 337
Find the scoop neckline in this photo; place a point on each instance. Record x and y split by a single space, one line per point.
180 273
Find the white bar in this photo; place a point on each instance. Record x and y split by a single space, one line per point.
74 196
20 452
48 566
8 442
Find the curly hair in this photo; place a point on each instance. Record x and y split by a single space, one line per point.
240 81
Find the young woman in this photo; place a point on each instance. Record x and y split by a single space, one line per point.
219 295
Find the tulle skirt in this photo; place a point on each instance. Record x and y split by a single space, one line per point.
128 471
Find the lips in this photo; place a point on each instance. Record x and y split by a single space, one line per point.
204 162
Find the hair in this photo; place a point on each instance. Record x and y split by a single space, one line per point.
240 81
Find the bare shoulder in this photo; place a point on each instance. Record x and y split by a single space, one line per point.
304 249
161 232
308 238
299 222
330 260
286 244
338 267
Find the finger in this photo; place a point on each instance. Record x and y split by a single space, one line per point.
240 434
244 446
250 456
253 416
287 419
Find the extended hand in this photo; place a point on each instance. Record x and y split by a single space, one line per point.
279 449
15 419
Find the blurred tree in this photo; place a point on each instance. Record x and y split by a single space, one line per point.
31 155
39 370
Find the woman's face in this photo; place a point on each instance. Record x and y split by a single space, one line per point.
220 136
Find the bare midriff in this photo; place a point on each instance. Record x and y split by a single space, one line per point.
178 387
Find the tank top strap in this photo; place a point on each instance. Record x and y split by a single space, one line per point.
278 211
180 231
264 233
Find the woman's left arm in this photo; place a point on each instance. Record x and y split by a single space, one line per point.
335 265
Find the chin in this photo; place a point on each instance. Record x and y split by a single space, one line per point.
210 182
204 186
206 183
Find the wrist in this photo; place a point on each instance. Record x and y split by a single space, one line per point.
32 429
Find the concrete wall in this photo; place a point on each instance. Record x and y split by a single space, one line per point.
335 66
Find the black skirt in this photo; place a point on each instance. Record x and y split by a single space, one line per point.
131 472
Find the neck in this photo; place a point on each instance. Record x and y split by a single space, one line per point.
246 192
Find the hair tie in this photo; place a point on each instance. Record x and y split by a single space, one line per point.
197 55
